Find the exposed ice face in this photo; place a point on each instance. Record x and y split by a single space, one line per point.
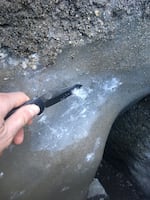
71 119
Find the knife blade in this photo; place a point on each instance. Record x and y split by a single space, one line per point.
45 101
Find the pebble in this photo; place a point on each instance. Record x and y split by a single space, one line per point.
97 13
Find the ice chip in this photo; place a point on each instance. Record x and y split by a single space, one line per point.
81 93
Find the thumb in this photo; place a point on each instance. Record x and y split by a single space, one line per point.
20 118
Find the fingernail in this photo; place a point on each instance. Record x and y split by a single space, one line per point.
34 109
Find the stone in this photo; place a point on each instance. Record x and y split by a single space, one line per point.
129 141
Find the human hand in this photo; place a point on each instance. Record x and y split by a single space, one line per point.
11 130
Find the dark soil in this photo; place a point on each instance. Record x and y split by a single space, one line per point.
45 27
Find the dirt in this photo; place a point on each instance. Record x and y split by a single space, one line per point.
46 27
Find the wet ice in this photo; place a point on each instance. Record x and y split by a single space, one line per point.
73 117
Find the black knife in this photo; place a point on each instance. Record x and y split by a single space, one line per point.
44 101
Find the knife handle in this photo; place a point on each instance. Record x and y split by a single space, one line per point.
36 101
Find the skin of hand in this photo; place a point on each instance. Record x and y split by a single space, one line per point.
11 130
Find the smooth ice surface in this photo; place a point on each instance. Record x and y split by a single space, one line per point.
71 117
